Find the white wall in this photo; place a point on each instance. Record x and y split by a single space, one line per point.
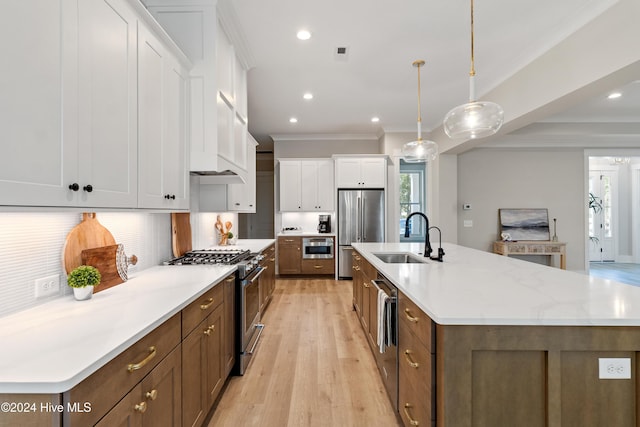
494 178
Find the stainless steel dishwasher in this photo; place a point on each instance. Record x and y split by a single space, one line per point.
388 360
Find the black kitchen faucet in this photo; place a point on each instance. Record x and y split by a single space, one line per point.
427 243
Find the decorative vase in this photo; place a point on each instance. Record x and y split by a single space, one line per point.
81 294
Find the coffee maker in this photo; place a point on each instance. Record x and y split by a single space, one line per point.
324 224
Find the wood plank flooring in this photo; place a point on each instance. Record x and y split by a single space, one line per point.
313 366
620 272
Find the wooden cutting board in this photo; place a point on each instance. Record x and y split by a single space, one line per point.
112 263
180 233
88 234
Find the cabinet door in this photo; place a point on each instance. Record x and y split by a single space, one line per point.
289 255
150 117
373 172
107 101
174 142
162 391
309 185
326 188
242 197
215 354
290 198
348 173
194 381
127 413
38 103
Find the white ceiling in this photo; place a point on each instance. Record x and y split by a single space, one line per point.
383 39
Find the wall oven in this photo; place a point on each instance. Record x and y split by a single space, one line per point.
317 247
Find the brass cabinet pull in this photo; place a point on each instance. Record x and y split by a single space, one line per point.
207 305
317 267
141 407
411 363
407 313
366 285
135 366
207 331
231 279
153 394
289 240
406 412
272 259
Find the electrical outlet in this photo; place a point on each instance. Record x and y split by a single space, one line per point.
47 286
468 223
614 368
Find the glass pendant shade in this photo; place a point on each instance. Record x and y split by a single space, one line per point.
474 120
419 150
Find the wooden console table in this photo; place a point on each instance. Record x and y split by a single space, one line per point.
532 247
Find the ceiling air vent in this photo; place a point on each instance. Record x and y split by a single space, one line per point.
342 53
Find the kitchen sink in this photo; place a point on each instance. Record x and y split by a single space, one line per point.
400 258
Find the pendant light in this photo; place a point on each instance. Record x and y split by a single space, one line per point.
476 119
419 150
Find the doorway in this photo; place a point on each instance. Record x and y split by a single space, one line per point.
603 206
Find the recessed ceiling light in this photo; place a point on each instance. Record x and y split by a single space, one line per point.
293 120
614 95
308 95
375 119
303 35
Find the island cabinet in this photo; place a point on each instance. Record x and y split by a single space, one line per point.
416 364
145 379
289 254
366 298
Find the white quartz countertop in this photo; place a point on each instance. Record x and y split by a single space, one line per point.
53 347
305 234
473 287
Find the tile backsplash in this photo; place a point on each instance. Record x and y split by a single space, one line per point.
32 245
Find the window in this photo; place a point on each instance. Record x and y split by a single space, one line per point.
412 199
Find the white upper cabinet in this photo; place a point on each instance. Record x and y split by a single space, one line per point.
217 81
70 103
242 197
107 103
39 141
306 185
361 172
162 109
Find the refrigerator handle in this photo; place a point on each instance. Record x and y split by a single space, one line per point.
362 224
358 218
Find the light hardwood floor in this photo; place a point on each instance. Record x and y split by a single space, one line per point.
313 366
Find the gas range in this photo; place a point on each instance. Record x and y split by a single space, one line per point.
244 259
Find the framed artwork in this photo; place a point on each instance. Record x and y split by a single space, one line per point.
525 224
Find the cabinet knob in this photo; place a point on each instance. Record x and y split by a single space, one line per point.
141 407
237 204
170 196
88 188
153 394
74 186
173 197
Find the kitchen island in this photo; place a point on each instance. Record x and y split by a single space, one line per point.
517 343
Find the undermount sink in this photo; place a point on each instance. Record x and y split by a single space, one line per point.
400 258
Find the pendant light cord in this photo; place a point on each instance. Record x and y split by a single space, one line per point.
473 70
419 63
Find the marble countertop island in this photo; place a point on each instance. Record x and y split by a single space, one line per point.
473 287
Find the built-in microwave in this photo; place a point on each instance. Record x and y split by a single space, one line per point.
317 247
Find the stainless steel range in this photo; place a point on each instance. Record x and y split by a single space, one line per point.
247 295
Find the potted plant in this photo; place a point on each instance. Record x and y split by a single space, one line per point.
82 279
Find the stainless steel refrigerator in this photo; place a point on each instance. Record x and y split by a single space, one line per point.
360 219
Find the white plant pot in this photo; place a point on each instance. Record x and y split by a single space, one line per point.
82 294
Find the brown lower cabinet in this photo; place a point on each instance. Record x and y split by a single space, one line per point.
267 278
171 376
291 261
